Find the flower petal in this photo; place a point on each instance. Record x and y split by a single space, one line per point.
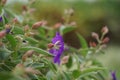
57 52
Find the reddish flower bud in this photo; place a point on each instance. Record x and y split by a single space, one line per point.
1 44
105 30
27 54
65 59
50 45
2 34
38 24
57 25
19 65
7 26
24 7
92 44
3 2
15 20
31 70
105 40
26 28
31 10
103 46
73 23
95 35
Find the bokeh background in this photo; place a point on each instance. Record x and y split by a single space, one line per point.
89 15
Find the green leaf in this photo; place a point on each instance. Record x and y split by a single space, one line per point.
86 74
69 64
41 31
32 40
50 75
5 21
4 53
11 40
92 69
84 44
37 65
5 76
67 29
76 73
66 76
18 30
51 65
42 38
39 50
8 11
94 77
77 60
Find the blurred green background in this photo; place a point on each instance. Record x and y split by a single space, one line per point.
89 15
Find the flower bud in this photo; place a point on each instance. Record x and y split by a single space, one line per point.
103 46
31 70
2 34
3 2
1 44
105 30
105 40
15 20
38 24
31 10
7 26
50 45
27 54
73 23
57 25
19 65
95 35
65 59
24 7
92 44
26 28
19 69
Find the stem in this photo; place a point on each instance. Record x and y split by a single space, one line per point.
67 19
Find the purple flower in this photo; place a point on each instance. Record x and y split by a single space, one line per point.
8 31
113 75
0 18
58 47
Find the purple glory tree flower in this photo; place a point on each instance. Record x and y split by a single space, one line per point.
0 18
58 48
113 75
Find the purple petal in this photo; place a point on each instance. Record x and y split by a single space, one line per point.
8 30
57 59
113 75
0 18
57 41
53 51
58 37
